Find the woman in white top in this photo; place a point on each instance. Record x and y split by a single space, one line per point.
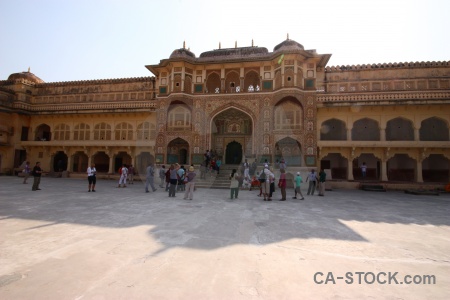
91 171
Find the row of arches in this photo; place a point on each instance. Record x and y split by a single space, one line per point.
397 129
400 167
99 131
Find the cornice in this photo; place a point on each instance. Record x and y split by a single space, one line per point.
378 66
97 81
382 97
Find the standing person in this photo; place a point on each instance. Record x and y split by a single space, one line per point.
123 176
189 181
167 179
173 180
218 164
266 185
298 180
262 182
322 178
180 176
283 165
130 174
162 175
364 170
150 175
246 170
312 182
202 170
282 184
37 172
234 185
253 168
272 184
92 174
26 171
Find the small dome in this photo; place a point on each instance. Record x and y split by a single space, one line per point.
25 76
182 52
288 45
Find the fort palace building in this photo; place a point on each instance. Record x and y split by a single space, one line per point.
244 103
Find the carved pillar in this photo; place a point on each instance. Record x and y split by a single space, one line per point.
384 170
111 162
69 162
350 169
382 134
416 134
349 133
419 177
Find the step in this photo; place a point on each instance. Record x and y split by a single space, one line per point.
373 188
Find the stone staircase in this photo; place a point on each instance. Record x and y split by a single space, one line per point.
214 181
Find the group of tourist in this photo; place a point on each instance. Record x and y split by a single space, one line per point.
179 179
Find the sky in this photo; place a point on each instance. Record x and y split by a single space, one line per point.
102 39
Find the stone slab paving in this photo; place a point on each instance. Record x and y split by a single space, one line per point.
65 243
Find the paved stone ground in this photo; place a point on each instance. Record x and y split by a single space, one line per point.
65 243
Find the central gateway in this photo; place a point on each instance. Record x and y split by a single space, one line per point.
231 135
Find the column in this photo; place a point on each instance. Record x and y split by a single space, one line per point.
111 163
69 163
382 134
416 134
183 76
350 169
349 134
419 177
384 170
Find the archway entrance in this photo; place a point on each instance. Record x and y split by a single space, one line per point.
290 150
228 126
233 154
177 152
60 162
79 162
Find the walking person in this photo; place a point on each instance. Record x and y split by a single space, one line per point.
92 180
123 176
234 185
26 171
131 174
162 176
150 175
189 182
282 184
37 172
322 178
298 180
218 164
266 185
272 184
173 180
312 178
246 170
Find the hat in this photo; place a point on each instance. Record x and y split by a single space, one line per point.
191 169
298 173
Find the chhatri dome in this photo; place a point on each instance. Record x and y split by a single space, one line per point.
25 76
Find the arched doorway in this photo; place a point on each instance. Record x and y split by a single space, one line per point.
233 153
178 152
120 159
373 164
80 162
232 125
143 160
290 150
101 161
43 133
59 162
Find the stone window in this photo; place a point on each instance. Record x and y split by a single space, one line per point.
288 115
82 132
62 132
179 119
434 129
333 130
365 130
102 131
146 131
399 129
123 131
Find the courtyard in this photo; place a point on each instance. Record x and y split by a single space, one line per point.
64 243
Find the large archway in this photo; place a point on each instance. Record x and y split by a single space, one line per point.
228 126
290 150
60 161
178 152
233 153
101 161
43 133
